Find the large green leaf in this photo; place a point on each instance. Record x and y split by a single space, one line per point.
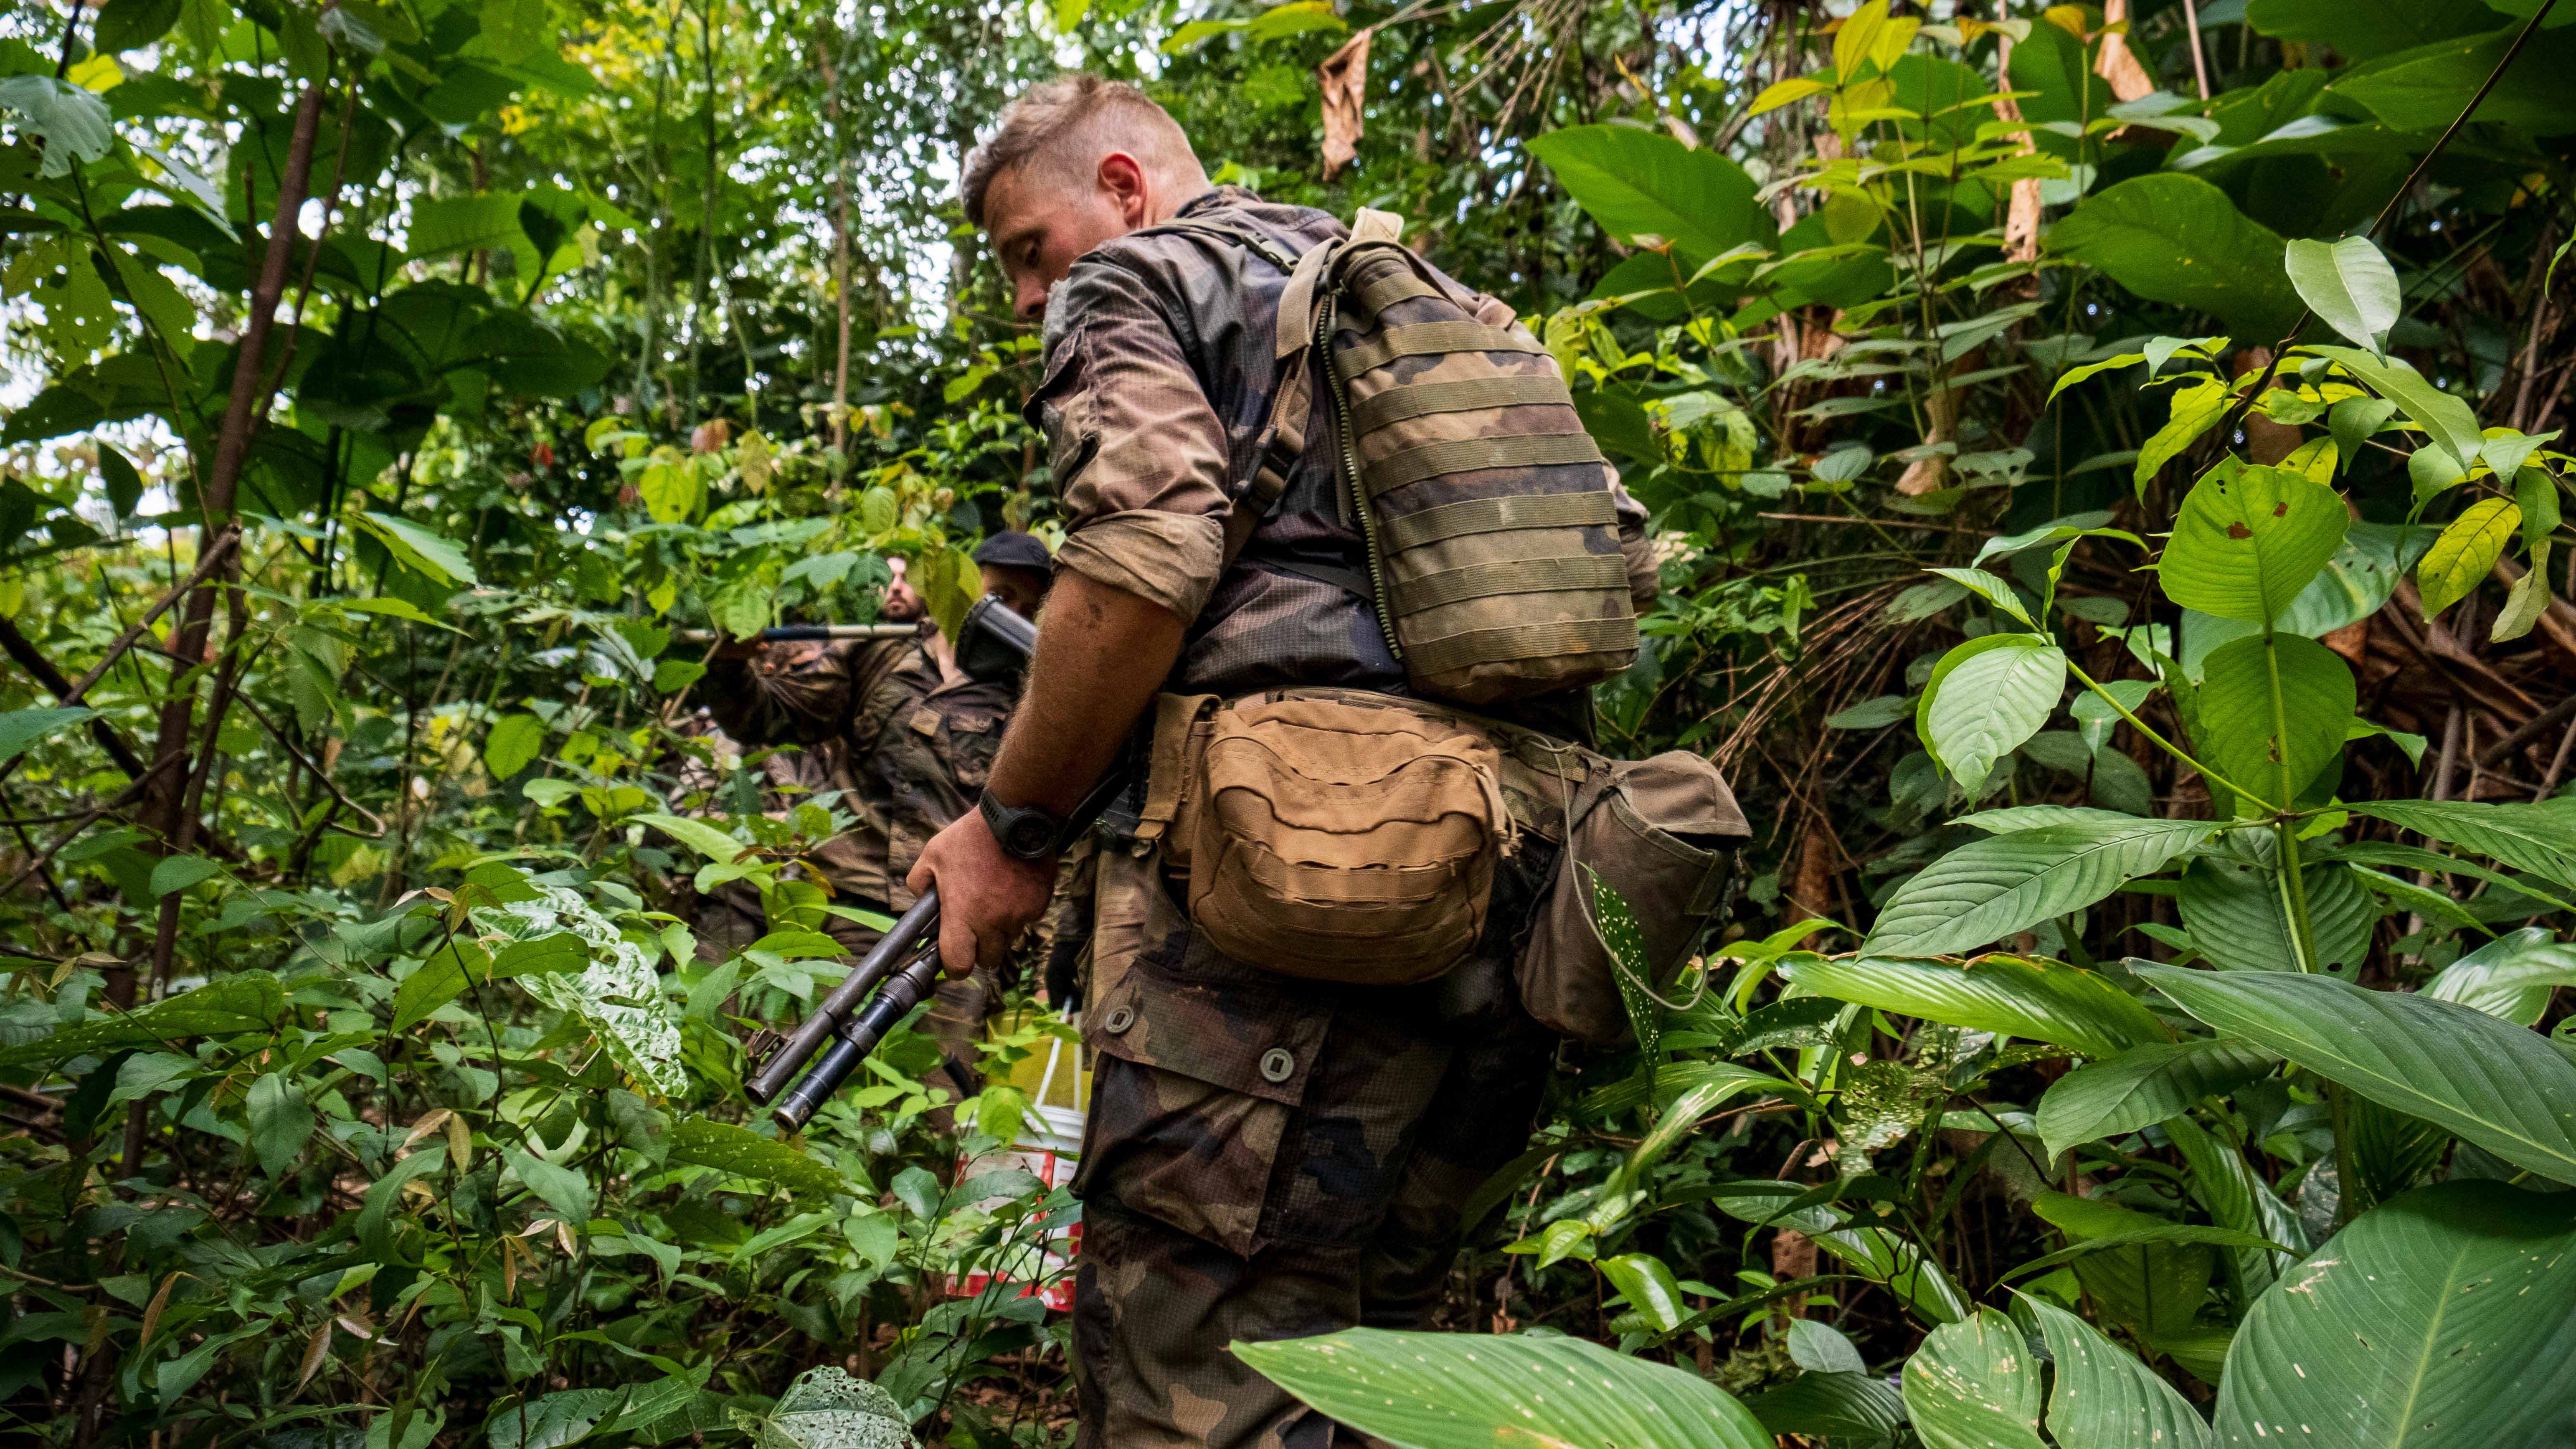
827 1409
2105 1399
2510 977
2171 237
1833 1405
2143 1085
1974 1385
1470 1391
2499 1086
2525 836
2424 89
2249 541
2357 581
2447 419
2349 285
444 224
1986 697
2271 715
2012 995
251 1001
741 1152
2238 1198
1988 889
1639 183
2239 916
2445 1319
2364 29
423 552
20 728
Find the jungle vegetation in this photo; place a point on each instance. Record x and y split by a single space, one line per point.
2107 466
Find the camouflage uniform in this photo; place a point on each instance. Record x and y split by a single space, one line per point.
909 748
1268 1157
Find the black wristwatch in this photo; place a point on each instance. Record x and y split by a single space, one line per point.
1024 832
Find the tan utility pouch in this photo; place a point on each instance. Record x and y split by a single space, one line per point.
1662 833
1343 843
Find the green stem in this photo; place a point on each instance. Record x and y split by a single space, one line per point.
2303 936
2160 742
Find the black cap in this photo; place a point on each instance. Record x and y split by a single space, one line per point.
1013 549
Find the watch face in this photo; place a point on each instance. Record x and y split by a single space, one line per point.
1031 834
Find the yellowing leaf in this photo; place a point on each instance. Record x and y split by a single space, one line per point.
2466 552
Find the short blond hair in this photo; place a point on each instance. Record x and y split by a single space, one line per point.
1066 123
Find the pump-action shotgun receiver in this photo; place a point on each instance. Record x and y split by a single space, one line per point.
903 969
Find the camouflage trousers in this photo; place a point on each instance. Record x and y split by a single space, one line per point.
1269 1158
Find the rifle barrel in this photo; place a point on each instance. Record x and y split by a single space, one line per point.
826 1019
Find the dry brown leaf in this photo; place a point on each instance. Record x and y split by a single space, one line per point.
152 1310
1344 74
317 1352
429 1122
460 1144
356 1327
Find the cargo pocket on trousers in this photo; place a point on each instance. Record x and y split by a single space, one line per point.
1188 1153
1199 1062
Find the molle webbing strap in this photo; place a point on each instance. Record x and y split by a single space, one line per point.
1521 641
1594 507
1431 339
1462 395
1260 493
1511 576
1375 297
1469 455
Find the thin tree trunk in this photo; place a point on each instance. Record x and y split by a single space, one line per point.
840 246
165 806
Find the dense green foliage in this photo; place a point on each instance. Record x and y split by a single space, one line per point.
2113 534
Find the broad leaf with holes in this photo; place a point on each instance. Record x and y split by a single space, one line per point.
1974 1384
2270 715
2249 540
1989 889
2445 1319
2489 1081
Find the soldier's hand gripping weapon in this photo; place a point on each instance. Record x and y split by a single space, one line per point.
994 643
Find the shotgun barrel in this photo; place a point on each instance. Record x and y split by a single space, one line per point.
796 1072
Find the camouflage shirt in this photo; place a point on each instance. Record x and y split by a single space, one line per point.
907 746
1159 368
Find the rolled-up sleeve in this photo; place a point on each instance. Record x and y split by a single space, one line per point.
1138 455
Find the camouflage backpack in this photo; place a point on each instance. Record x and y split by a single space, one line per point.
1492 551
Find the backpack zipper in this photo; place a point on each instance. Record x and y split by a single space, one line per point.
1350 464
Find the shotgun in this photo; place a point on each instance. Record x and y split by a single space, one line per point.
903 968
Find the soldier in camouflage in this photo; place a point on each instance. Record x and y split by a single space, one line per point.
1268 1157
906 740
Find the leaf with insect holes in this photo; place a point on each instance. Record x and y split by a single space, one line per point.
2271 716
2249 540
2466 552
1975 1385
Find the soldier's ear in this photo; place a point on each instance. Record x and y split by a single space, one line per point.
1124 181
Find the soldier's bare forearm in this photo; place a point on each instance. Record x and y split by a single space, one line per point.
1102 654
